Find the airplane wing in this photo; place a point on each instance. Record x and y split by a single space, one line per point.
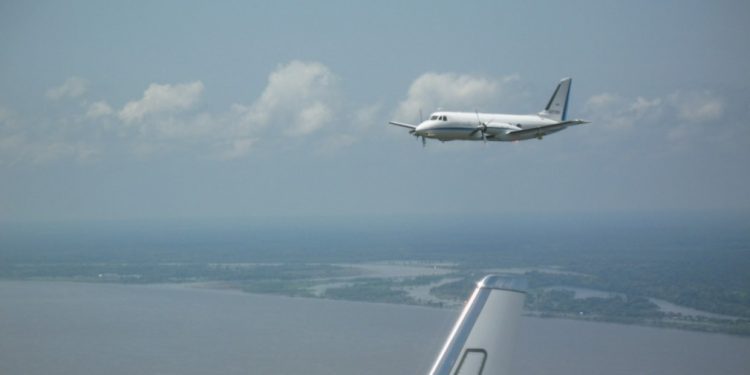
482 340
543 130
403 125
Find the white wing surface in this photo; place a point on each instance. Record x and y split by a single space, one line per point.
483 338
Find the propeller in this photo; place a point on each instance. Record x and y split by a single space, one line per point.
482 127
412 132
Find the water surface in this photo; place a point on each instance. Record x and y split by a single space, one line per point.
74 328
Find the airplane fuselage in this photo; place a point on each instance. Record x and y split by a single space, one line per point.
451 126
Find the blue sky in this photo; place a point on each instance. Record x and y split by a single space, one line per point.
175 109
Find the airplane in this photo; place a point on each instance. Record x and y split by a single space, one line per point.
475 126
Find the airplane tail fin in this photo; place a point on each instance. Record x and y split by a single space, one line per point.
557 108
483 337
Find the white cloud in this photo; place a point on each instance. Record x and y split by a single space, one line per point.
310 119
600 101
367 117
41 141
693 110
73 87
237 148
357 123
98 109
162 98
17 148
642 106
201 133
449 91
613 113
300 98
678 118
697 107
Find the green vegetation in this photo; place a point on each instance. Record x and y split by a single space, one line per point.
283 287
701 264
370 290
143 273
618 308
564 302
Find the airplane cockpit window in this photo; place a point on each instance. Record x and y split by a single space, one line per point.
433 117
445 118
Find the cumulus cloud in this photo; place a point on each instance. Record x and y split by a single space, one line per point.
693 110
41 142
310 119
367 117
642 106
701 106
237 148
299 99
601 100
303 99
17 148
614 113
162 98
98 109
448 90
677 118
73 87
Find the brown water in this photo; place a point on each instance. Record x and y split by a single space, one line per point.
71 328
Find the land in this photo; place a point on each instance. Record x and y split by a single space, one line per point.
610 279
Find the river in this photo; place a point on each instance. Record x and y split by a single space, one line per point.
75 328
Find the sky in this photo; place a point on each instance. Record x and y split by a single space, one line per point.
201 110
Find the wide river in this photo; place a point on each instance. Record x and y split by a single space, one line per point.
74 328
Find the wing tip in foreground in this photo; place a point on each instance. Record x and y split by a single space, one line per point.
482 339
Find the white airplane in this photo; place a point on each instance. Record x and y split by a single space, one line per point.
475 126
